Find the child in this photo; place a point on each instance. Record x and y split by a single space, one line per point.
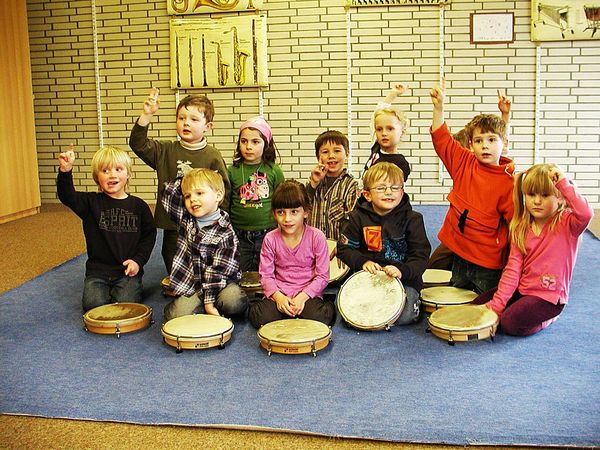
294 263
441 258
119 228
173 158
205 268
254 176
384 233
331 189
550 216
476 226
390 125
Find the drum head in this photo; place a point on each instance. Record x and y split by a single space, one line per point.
371 302
447 296
437 277
117 318
294 331
337 269
195 326
463 318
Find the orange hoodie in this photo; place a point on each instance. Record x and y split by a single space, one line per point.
481 204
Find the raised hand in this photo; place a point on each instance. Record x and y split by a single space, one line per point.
317 174
438 94
504 104
152 103
556 174
67 158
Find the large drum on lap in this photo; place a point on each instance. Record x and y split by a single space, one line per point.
337 269
436 277
433 298
117 318
463 323
294 336
371 302
197 331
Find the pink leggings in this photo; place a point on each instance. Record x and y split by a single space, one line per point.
524 314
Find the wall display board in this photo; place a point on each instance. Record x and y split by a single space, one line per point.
211 6
492 28
565 20
218 52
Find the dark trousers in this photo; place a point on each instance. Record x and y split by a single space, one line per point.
169 246
250 245
467 275
524 314
441 258
264 310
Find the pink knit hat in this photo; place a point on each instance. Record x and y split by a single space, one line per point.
260 124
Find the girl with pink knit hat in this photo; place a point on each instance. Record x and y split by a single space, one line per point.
254 176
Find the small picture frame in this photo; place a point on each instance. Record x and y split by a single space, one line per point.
492 28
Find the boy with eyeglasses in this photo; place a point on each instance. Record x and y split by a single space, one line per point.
384 233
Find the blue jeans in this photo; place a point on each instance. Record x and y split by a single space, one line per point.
412 308
98 291
250 245
467 275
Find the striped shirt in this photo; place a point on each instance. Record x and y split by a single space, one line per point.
207 258
331 205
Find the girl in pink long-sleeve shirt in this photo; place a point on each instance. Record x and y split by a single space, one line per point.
550 216
294 263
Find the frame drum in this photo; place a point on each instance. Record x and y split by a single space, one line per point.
250 282
433 298
294 336
117 318
371 302
436 277
463 323
197 331
164 283
335 271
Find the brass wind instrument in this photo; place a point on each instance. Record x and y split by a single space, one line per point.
191 61
177 59
222 66
239 59
205 82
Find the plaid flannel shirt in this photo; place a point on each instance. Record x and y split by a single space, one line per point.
206 258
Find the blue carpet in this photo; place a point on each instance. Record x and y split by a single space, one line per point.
405 385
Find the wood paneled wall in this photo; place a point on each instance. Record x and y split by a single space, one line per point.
19 183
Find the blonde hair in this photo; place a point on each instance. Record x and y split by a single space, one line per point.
210 178
535 180
394 111
110 156
382 171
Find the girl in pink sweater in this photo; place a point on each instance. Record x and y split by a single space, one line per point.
550 216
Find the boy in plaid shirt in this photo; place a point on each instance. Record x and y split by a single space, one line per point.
206 271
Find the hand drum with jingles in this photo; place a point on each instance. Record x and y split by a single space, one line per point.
436 277
197 331
463 323
337 269
437 297
371 301
117 318
294 336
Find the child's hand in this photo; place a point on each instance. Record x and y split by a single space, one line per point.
209 308
392 271
399 89
131 268
298 303
504 105
371 267
556 174
152 103
284 304
438 95
66 159
317 174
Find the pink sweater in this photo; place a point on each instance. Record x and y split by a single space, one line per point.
291 271
546 270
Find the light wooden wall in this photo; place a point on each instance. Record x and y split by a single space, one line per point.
19 184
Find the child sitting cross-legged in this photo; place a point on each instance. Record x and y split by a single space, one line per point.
384 233
206 269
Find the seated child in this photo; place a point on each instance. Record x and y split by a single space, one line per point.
550 216
173 158
476 226
294 263
441 258
390 125
384 233
332 190
206 269
254 176
119 228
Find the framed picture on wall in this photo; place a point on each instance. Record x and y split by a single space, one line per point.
492 28
565 20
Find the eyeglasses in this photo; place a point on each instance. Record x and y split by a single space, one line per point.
383 189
